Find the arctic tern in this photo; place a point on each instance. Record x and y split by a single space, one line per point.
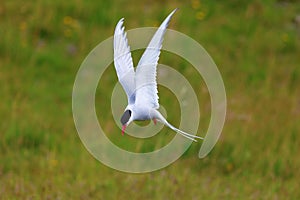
140 84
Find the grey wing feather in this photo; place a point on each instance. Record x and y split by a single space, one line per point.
146 86
123 62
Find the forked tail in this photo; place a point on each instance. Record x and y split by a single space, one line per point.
184 134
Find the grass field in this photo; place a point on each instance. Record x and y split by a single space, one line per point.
255 44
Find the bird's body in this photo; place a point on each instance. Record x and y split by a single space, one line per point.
141 112
140 84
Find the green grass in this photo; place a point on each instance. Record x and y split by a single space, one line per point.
256 46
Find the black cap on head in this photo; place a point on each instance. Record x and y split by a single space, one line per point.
125 117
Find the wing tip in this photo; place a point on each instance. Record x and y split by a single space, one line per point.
172 13
121 20
166 22
119 25
174 10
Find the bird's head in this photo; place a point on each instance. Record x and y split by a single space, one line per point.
126 119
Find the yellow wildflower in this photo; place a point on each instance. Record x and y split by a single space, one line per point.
195 4
68 20
285 37
23 26
200 15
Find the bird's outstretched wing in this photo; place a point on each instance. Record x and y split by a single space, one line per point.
123 62
146 86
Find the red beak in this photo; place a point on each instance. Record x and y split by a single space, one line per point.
123 129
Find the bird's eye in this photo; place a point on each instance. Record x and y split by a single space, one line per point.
125 117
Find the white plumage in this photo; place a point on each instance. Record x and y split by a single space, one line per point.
141 86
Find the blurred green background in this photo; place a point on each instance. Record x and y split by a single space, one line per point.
255 44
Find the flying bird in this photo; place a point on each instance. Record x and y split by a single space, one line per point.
140 84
